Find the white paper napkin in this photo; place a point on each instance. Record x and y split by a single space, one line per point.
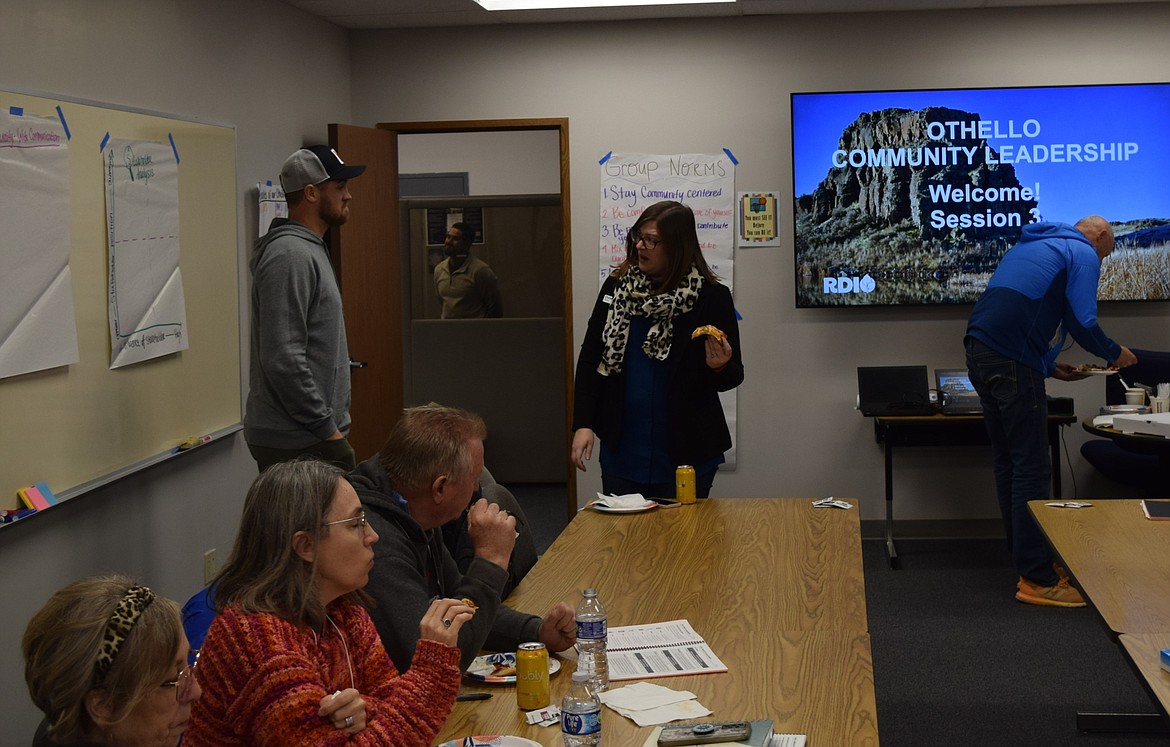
647 704
630 500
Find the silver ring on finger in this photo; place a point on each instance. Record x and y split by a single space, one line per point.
446 622
348 721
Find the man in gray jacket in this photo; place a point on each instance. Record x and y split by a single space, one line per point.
425 476
298 393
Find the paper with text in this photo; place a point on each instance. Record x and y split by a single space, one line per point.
659 650
38 328
148 316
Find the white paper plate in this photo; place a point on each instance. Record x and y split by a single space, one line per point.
483 668
1097 371
633 510
493 741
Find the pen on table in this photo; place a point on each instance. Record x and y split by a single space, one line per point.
472 696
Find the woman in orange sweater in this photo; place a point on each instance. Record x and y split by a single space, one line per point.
293 658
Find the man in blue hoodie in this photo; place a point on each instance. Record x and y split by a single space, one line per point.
1046 283
298 392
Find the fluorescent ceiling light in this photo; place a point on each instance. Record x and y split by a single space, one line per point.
554 4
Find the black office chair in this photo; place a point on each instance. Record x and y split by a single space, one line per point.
1145 470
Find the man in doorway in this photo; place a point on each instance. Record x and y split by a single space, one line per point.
299 391
467 287
426 476
1046 282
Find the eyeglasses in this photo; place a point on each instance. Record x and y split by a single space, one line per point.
651 242
184 684
359 521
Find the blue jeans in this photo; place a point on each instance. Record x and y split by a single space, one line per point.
1015 410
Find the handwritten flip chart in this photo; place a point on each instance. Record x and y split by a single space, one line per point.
148 316
272 205
38 329
630 182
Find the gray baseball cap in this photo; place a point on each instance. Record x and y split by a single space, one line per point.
313 165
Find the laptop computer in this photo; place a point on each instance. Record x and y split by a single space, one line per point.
893 390
957 394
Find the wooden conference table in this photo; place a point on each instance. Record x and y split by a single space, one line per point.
774 586
1120 560
945 430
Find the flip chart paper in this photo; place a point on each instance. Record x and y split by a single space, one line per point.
38 329
148 315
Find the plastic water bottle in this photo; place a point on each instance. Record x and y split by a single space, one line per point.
581 713
592 632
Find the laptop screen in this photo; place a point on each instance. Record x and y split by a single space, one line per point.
886 389
957 383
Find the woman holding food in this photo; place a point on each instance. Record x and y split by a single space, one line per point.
662 342
293 658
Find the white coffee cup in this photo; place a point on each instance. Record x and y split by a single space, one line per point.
1135 396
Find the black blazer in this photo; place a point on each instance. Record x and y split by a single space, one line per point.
697 430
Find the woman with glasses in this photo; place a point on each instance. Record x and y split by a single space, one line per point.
107 662
292 657
645 384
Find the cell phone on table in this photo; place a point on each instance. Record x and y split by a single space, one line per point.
705 733
666 502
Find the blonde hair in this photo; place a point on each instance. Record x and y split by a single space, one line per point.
429 441
62 643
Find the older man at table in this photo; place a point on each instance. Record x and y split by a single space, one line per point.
425 476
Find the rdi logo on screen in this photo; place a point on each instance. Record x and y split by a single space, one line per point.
850 285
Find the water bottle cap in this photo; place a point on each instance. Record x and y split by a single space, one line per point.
590 592
580 676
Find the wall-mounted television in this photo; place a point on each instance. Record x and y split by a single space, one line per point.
912 197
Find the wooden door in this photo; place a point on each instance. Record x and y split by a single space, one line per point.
366 255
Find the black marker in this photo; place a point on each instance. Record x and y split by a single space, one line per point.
472 696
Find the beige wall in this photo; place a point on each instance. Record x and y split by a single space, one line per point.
702 85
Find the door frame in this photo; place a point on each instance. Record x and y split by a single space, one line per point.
561 126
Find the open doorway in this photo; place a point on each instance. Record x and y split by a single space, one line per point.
479 357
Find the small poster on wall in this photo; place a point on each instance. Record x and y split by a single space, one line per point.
759 220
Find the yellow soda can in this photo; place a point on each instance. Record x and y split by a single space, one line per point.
532 676
684 484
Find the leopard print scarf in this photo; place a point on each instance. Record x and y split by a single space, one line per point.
633 297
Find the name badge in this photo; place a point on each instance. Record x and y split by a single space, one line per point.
607 299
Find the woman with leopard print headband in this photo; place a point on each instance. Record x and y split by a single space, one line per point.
643 385
106 660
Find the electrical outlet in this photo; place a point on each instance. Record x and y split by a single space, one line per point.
210 566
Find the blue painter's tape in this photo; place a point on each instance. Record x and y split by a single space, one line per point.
171 137
268 183
105 140
738 316
604 158
731 156
61 116
16 111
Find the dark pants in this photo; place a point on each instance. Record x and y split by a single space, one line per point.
338 453
612 485
1015 410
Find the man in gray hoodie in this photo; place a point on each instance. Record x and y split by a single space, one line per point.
298 393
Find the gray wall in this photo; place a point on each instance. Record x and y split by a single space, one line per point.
661 86
219 60
702 85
